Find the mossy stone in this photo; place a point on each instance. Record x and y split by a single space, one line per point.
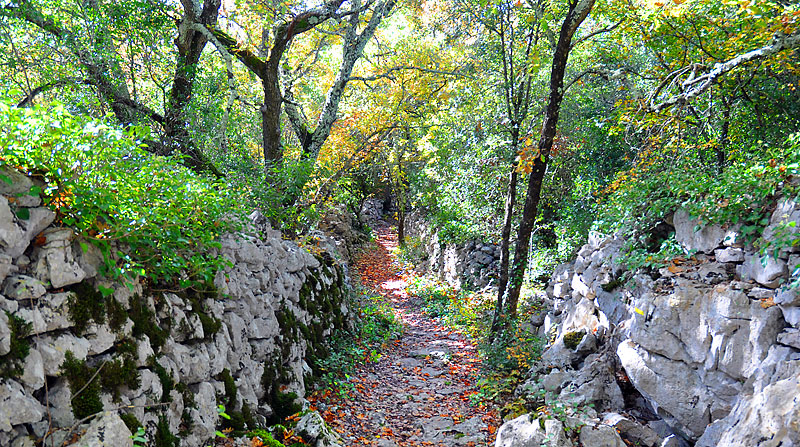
573 339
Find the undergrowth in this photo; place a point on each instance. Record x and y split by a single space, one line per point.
101 182
663 182
506 356
377 326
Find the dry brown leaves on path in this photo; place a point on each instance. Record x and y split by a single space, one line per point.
417 394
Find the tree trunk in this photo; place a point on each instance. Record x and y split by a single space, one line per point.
511 197
190 43
578 12
271 113
722 147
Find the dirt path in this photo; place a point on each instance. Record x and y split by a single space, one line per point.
417 394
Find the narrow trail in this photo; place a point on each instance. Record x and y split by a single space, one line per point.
417 394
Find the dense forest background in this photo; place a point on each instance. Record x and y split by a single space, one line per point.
527 123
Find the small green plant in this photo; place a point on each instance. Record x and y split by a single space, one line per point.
138 438
265 438
411 253
221 412
11 363
378 326
163 436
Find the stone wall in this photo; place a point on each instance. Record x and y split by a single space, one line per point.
171 355
704 351
473 264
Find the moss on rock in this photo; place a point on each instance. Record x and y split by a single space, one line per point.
11 363
573 339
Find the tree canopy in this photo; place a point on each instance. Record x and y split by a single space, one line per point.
522 122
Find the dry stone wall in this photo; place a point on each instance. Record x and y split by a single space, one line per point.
473 264
703 352
168 356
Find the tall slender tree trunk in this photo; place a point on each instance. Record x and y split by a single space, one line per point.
722 147
505 244
578 11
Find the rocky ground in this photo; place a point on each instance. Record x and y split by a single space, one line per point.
418 393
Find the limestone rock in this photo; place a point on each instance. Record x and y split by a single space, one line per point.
524 432
33 371
107 431
729 254
5 334
705 240
16 237
17 407
51 314
312 429
787 296
790 337
600 436
13 182
684 403
12 237
768 416
633 431
22 287
765 270
6 267
53 351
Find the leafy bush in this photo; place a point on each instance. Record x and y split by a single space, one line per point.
514 349
148 214
663 182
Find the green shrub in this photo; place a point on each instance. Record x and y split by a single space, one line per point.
377 326
11 363
101 182
743 193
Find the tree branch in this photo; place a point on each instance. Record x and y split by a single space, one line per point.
388 73
225 42
28 100
696 85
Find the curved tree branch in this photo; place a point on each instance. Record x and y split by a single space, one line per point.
692 87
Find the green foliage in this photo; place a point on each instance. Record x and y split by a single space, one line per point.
163 436
167 382
11 364
85 388
573 339
145 322
265 437
138 434
285 404
743 194
411 253
86 382
506 355
120 372
86 305
101 182
273 189
230 387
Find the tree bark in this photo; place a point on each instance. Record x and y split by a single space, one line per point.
505 246
578 11
722 147
190 43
